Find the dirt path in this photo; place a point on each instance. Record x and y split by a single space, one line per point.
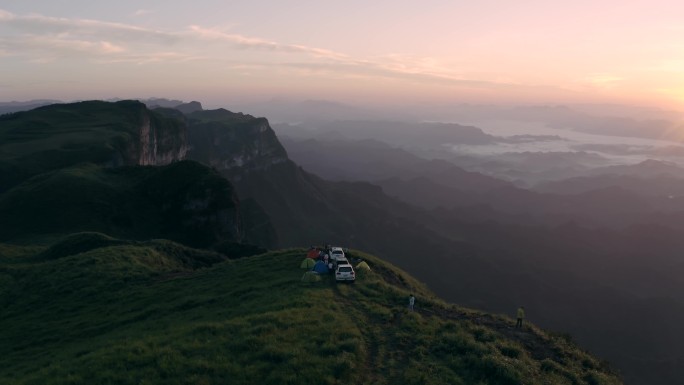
374 336
535 343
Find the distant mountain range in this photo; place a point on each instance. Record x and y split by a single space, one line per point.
223 181
9 107
567 242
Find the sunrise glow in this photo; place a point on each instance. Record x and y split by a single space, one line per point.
401 52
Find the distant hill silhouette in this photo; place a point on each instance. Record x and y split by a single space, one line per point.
647 168
9 107
188 108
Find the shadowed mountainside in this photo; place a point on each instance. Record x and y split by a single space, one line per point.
89 167
184 201
586 261
467 252
60 135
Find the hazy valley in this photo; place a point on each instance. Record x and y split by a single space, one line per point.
589 243
588 227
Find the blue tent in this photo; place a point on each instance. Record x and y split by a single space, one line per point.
320 267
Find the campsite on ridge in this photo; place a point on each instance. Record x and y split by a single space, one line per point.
104 310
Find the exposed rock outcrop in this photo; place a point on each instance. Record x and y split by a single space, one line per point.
233 143
162 141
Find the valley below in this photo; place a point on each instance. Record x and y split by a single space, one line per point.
587 236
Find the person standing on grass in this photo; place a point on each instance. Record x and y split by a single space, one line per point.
412 301
521 316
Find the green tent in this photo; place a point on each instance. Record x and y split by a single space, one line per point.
307 263
363 266
310 277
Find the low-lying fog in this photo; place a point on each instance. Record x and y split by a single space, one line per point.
617 149
527 145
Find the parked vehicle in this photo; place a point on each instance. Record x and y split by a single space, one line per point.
345 273
337 253
343 262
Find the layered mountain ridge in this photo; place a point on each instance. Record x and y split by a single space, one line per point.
217 179
275 203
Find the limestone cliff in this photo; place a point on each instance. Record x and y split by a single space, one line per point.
52 137
78 163
233 143
157 140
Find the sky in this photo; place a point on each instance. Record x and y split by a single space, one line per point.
365 52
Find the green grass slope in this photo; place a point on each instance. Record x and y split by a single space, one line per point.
91 309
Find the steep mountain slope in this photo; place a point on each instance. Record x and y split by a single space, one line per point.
88 167
184 201
398 134
504 245
61 135
131 312
484 264
302 207
233 143
437 183
373 161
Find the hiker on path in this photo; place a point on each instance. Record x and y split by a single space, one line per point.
521 316
412 301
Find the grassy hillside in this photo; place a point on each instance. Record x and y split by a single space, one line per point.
93 309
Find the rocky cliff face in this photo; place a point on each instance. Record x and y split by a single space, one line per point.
202 206
127 133
238 146
154 139
52 137
161 142
233 143
77 162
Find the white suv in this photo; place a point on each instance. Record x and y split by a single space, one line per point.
343 261
345 273
337 254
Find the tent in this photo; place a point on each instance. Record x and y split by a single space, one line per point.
310 276
313 253
307 263
320 267
363 266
